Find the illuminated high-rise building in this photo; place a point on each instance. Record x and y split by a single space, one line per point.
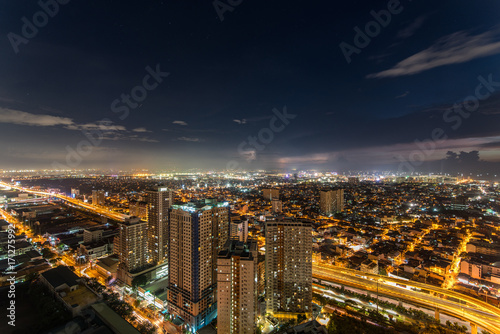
198 231
331 201
138 209
237 287
131 244
270 194
277 205
98 197
239 230
288 266
75 192
158 203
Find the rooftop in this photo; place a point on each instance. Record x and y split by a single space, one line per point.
311 327
116 323
201 205
61 275
80 297
238 248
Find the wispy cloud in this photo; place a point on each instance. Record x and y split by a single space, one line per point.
140 130
180 123
249 155
240 121
143 139
12 116
191 139
100 126
318 158
115 136
412 28
107 130
402 95
459 47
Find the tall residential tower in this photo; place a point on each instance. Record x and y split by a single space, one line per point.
288 266
237 287
98 197
270 194
331 201
198 231
158 203
131 244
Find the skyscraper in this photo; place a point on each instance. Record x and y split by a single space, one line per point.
331 201
198 231
237 274
75 192
98 197
288 266
270 194
138 209
277 205
239 230
158 203
132 244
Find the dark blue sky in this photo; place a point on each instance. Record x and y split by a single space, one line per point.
226 77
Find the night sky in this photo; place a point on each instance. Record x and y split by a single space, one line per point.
220 73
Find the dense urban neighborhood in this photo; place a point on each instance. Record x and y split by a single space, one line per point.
267 253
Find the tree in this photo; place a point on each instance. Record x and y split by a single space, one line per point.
338 215
146 328
301 318
47 254
119 306
139 281
331 326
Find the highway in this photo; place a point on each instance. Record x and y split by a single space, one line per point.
458 305
101 211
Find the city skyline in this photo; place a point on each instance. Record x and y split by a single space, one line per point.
250 253
332 87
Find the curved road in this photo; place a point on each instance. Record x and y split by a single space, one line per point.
101 211
470 309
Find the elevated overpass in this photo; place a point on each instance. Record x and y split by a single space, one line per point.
477 312
98 210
